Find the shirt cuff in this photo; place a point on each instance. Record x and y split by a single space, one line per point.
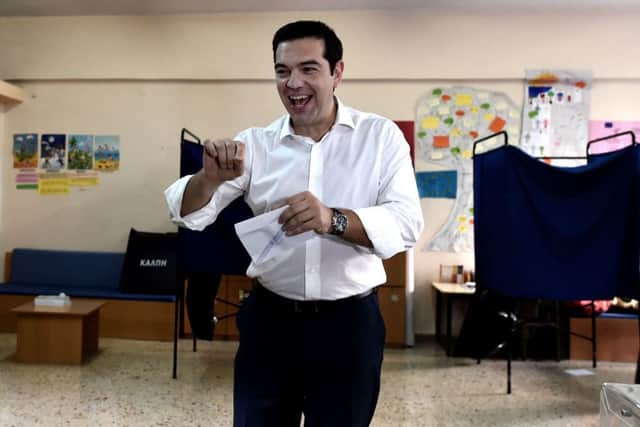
382 229
197 220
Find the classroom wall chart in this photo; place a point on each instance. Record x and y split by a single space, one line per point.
53 164
448 120
555 114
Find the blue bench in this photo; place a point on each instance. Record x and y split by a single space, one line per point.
76 273
82 274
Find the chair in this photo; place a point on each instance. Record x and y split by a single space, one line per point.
506 318
203 256
150 268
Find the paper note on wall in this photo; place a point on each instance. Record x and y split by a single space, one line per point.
438 184
27 180
464 100
602 128
430 122
54 184
441 141
84 180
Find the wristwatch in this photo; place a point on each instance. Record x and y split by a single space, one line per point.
339 223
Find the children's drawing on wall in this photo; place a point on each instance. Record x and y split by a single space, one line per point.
602 128
52 151
107 152
555 114
25 151
448 120
80 152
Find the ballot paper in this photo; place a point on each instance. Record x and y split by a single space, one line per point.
263 237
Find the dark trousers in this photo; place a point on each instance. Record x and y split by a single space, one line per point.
202 290
322 360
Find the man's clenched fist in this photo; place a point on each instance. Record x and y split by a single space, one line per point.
222 160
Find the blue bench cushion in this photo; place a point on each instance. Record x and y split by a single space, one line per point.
76 273
607 315
76 269
27 289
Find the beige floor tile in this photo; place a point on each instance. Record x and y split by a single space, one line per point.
129 384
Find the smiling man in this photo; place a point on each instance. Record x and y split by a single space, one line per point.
311 333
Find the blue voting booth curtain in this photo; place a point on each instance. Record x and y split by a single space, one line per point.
556 233
217 248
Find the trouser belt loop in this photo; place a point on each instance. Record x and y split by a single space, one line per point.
298 306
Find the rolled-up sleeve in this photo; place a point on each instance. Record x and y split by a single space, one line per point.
200 219
395 223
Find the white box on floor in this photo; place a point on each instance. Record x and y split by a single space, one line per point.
619 405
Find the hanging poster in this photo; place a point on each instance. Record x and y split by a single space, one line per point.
25 151
52 151
602 128
556 114
80 152
448 121
107 152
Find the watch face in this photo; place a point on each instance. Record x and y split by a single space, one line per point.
339 223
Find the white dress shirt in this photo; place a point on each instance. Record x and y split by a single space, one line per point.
362 164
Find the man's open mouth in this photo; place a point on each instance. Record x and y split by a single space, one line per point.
299 101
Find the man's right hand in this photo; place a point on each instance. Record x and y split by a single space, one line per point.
222 160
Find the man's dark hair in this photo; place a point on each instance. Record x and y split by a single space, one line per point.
314 29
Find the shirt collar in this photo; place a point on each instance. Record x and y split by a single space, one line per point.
342 118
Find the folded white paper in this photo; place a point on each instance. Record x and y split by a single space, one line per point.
263 237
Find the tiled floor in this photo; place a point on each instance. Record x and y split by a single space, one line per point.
129 384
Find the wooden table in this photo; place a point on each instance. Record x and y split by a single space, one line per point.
447 292
66 334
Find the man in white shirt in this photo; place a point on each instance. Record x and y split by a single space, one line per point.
311 333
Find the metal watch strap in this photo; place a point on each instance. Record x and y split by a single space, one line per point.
339 222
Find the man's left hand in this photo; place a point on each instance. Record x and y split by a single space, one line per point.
305 212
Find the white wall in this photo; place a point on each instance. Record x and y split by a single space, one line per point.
145 78
415 44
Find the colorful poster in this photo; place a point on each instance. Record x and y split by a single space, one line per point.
107 152
25 151
52 151
602 128
448 121
80 152
54 184
555 114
